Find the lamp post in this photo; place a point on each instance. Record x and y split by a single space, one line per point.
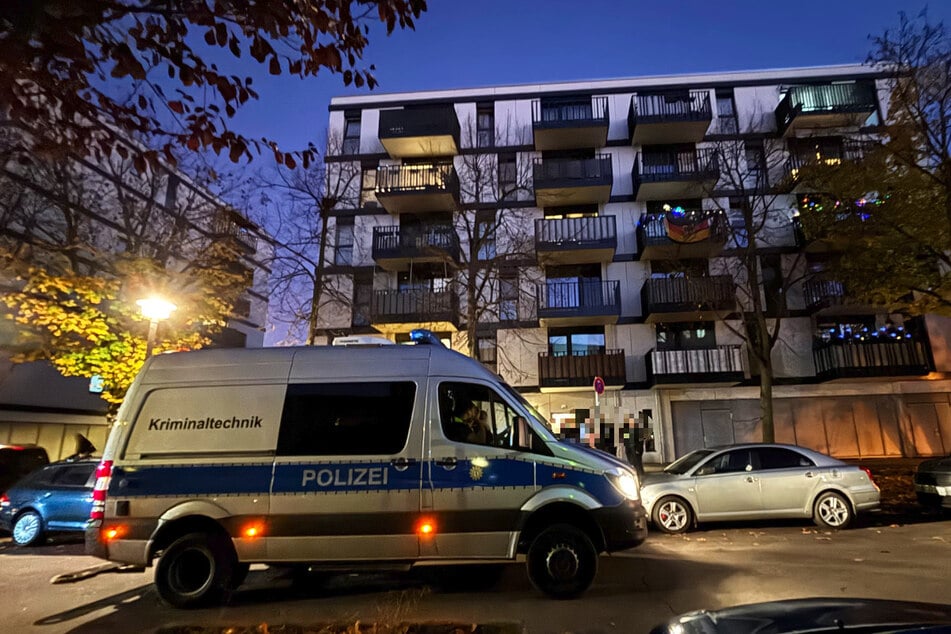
155 309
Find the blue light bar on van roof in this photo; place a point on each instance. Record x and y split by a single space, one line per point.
423 336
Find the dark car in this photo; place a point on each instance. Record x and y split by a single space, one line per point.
18 460
56 498
933 483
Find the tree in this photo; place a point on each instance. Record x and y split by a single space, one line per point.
890 213
63 63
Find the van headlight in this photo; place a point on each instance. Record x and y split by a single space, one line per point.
625 482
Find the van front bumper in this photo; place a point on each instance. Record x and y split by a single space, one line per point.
623 526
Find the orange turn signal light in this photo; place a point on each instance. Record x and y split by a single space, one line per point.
251 531
426 527
115 532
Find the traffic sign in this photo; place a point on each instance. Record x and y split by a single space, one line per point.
598 385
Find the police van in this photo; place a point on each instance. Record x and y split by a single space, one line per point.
347 457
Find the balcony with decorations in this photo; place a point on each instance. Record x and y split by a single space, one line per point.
581 240
674 173
395 248
417 188
420 132
678 299
682 116
811 157
568 372
572 181
564 123
580 302
720 365
401 311
825 106
678 233
892 351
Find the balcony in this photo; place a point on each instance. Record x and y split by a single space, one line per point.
673 299
402 311
575 240
828 297
565 181
811 156
722 365
578 303
420 132
568 125
562 373
674 236
417 188
677 117
675 174
829 106
394 248
850 359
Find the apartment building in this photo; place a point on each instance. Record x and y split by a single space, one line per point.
604 215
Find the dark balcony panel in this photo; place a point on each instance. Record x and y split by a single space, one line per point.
417 188
578 303
700 234
828 297
723 365
564 181
420 132
402 311
569 124
866 359
570 371
681 117
828 106
807 157
675 174
576 240
667 299
394 248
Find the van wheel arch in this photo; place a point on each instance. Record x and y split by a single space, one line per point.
168 532
559 513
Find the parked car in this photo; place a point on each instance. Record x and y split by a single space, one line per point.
18 460
757 481
933 483
57 497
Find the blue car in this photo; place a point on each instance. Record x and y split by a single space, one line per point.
56 498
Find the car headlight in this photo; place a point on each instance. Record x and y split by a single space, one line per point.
626 482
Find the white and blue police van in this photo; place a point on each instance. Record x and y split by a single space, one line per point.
347 457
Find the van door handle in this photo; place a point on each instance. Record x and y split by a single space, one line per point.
402 464
750 479
809 474
447 463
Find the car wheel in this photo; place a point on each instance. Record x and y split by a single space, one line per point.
196 570
562 561
28 529
832 510
672 515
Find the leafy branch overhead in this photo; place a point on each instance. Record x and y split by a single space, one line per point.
63 63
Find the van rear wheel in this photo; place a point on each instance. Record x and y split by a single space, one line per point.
196 570
562 561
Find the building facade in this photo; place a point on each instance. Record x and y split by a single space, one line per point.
593 229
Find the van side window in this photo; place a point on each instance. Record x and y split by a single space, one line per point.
476 414
344 419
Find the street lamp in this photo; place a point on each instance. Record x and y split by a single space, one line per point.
154 309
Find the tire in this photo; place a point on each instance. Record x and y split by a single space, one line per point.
562 562
832 510
196 570
28 529
672 515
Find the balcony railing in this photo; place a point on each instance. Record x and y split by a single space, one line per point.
565 172
415 242
689 296
591 232
581 298
856 98
579 370
654 167
414 306
650 117
719 364
432 131
555 114
702 236
820 294
858 359
416 178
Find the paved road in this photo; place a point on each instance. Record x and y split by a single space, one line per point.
709 568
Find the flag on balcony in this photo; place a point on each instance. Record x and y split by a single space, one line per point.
686 227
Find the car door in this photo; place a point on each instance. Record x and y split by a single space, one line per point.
727 486
477 483
788 480
68 500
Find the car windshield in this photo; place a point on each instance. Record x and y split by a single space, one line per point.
543 426
686 463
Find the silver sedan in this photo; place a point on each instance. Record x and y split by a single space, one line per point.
757 481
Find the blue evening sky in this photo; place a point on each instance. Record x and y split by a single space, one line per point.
470 43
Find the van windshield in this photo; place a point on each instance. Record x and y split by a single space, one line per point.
543 427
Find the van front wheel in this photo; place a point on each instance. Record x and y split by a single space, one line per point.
195 570
562 561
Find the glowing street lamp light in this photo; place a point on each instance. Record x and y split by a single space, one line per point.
154 309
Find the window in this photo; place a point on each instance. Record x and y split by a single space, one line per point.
778 458
686 336
755 163
485 125
485 235
736 461
487 352
508 296
508 177
362 295
346 419
563 342
351 133
475 414
726 113
771 271
74 475
343 254
368 186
